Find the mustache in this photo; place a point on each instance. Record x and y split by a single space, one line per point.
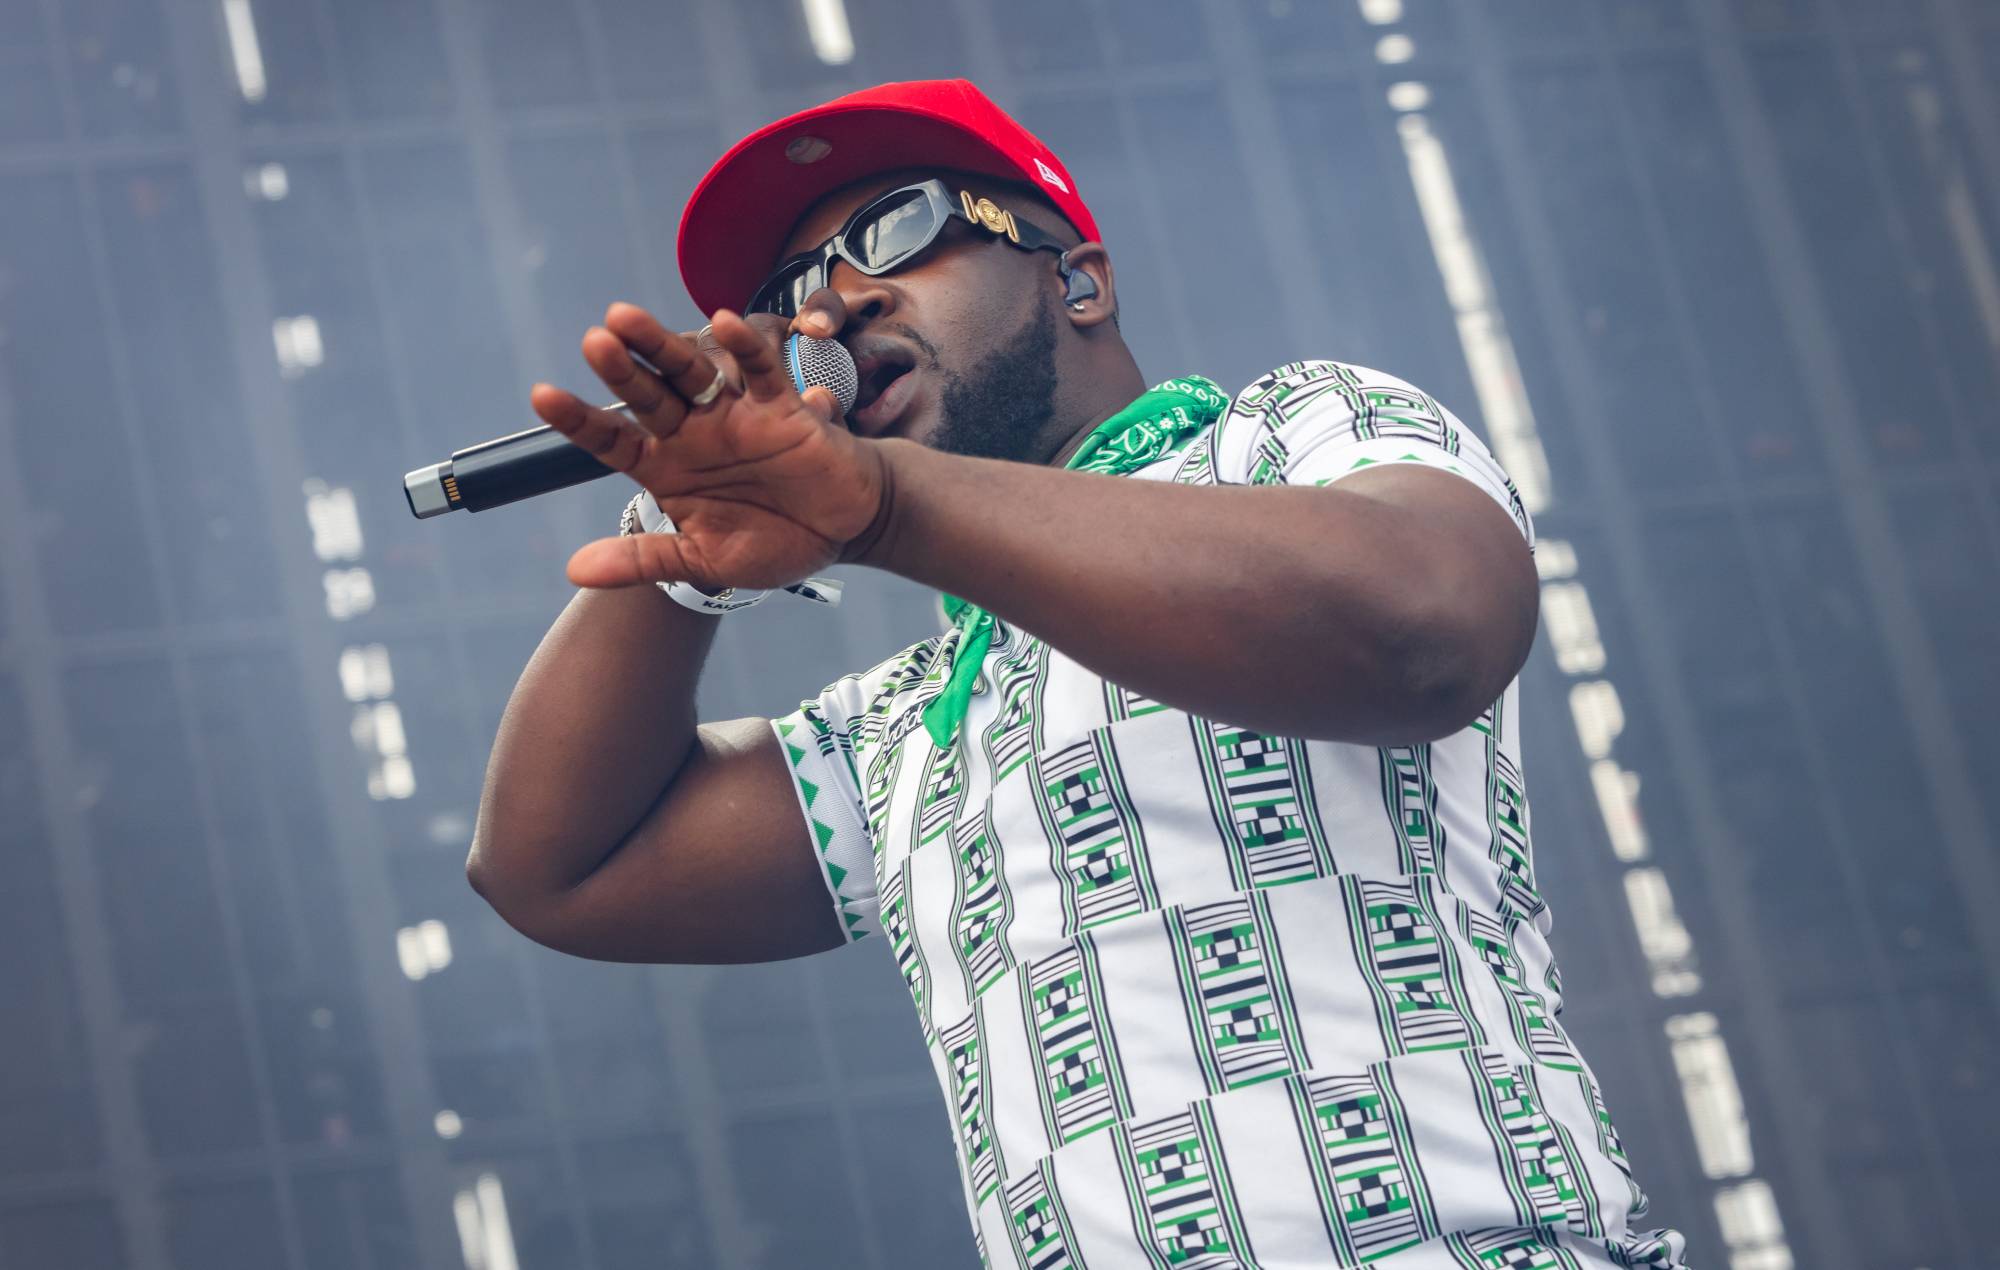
916 338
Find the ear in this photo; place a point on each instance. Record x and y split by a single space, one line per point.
1092 282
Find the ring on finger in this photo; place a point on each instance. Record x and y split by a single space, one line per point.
709 393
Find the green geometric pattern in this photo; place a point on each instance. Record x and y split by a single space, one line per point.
1240 1008
1174 1175
1201 997
851 886
1355 1133
1541 1170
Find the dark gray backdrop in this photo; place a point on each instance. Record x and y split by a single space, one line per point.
258 257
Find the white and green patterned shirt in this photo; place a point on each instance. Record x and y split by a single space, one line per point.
1200 997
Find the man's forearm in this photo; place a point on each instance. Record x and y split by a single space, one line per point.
1299 611
602 718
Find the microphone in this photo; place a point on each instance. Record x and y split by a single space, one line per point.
542 460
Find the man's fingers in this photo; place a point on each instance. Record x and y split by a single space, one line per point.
823 315
824 403
630 560
773 328
645 335
764 376
605 434
768 325
678 357
636 386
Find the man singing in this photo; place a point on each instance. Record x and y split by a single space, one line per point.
1200 838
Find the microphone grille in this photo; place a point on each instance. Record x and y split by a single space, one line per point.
816 361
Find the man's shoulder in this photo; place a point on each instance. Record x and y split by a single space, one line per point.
1317 383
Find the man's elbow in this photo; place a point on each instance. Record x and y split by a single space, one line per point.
520 906
1455 674
1447 702
481 872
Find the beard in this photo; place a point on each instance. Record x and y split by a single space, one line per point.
1002 407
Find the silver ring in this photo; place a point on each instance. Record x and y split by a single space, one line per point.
709 393
706 327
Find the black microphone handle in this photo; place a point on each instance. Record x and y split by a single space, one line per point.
506 470
523 464
501 471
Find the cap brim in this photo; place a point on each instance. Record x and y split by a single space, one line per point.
740 214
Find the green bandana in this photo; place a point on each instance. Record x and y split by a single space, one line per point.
1152 427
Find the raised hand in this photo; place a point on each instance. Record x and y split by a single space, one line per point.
764 486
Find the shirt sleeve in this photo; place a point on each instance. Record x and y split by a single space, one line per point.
823 741
1314 422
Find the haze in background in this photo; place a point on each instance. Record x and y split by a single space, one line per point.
1715 280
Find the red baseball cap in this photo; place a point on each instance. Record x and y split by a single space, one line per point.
738 216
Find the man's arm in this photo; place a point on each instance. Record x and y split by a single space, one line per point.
612 826
1388 608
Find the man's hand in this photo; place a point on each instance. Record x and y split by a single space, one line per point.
764 486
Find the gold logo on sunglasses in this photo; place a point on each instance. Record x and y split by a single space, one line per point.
989 214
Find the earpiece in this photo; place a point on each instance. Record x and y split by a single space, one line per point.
1080 287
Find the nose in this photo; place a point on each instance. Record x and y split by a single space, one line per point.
865 298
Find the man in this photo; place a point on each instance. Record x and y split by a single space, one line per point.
1199 838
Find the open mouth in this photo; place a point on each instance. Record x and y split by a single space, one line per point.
878 375
881 389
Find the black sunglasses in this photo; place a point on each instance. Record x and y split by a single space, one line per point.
887 234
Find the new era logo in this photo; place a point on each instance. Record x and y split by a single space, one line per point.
1050 176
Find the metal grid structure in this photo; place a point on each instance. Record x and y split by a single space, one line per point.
257 259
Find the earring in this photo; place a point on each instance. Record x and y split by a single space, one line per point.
1077 305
